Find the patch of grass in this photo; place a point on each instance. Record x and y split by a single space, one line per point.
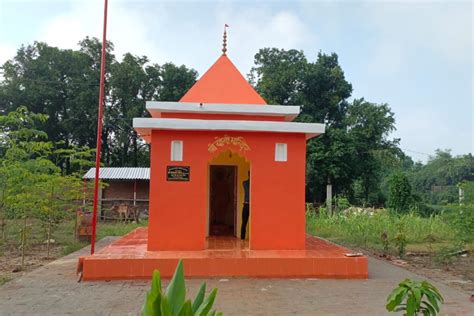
70 248
424 247
367 231
117 229
4 279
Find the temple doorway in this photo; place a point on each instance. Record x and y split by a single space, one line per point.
227 172
223 200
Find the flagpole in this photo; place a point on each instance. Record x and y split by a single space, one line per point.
99 129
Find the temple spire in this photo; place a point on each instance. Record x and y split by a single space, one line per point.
224 42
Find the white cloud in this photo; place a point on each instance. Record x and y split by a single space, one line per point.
424 131
171 31
404 30
127 27
6 52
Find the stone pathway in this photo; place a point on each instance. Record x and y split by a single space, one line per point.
54 290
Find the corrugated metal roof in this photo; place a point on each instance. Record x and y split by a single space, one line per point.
122 173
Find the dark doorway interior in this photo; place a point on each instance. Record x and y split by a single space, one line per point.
223 202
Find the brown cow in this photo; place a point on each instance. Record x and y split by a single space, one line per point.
125 211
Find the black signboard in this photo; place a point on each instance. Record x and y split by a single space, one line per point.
178 173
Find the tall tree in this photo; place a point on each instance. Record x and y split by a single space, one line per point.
277 75
369 127
126 101
64 85
436 181
175 81
31 185
355 147
133 82
286 77
324 93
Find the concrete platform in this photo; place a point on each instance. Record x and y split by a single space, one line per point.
128 258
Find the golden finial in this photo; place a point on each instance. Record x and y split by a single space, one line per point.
224 45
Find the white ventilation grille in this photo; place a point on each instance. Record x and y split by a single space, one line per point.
177 150
281 152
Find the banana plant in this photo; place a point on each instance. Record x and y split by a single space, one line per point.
173 301
414 298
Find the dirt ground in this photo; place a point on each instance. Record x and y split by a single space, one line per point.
10 260
10 254
459 274
53 290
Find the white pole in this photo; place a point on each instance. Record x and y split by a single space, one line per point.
329 198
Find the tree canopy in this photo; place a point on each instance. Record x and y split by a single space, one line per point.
48 96
356 134
63 84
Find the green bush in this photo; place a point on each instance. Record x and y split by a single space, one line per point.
173 302
468 189
423 209
461 217
401 239
400 198
341 203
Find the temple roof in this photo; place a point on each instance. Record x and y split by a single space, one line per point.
223 83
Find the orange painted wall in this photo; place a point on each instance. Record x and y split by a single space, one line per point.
178 210
177 218
278 193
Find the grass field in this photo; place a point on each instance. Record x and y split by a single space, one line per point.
375 231
384 231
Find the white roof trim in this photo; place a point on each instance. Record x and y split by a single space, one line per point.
288 111
144 126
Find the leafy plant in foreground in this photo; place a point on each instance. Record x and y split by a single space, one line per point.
414 298
173 301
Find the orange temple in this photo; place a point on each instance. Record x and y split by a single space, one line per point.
220 134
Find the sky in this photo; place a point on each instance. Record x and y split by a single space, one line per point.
417 56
